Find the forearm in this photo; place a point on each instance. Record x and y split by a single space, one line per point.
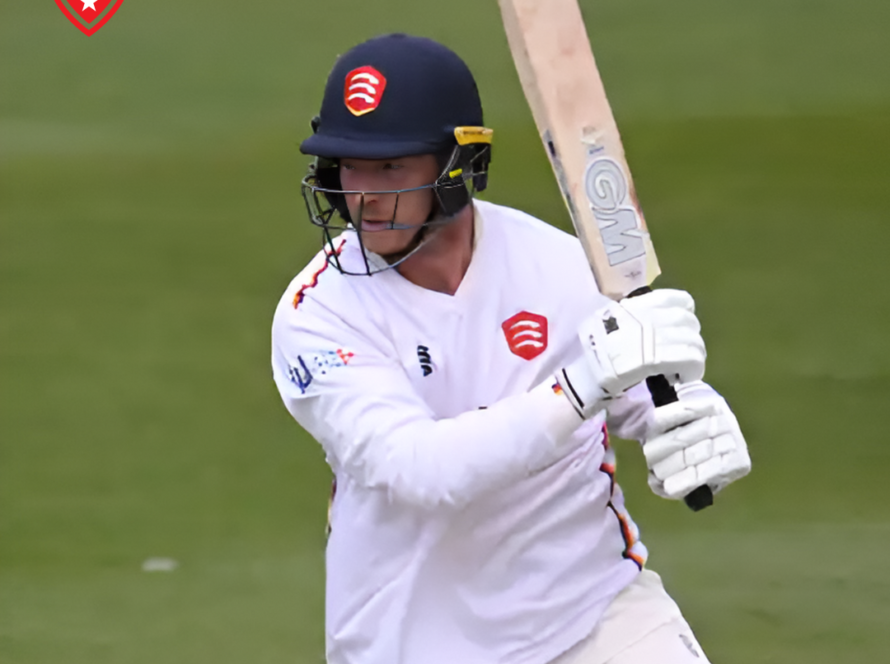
430 463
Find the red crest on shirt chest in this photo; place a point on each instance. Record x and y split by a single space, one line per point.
526 334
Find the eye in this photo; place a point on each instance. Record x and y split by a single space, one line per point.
391 167
346 167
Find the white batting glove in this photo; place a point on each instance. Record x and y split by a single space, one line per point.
694 441
624 342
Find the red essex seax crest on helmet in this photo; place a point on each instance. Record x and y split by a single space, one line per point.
526 334
363 90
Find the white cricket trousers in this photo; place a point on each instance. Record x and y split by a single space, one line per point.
642 625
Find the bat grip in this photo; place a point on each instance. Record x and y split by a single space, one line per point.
664 393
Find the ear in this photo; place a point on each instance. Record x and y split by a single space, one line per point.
327 171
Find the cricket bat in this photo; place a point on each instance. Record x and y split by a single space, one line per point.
563 87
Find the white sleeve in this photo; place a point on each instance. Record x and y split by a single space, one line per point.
361 407
630 415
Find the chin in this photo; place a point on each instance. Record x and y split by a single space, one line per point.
386 250
396 242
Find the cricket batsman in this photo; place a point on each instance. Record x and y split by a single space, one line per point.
463 374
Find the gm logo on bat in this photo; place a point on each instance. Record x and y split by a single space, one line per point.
618 220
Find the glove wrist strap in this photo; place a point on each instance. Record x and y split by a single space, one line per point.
581 388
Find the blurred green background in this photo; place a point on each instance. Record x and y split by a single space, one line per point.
151 218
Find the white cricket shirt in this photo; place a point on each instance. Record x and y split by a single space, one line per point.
476 519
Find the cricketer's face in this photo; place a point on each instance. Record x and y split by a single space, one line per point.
374 214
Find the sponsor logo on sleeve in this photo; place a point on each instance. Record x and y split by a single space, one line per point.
526 334
300 375
325 360
318 363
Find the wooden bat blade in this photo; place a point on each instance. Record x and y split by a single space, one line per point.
561 82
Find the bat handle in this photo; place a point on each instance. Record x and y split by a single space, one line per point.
664 393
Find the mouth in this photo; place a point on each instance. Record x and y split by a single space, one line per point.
373 226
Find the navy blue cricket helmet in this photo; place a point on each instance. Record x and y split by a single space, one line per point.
394 96
397 96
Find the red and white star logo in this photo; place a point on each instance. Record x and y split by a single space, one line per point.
526 334
88 15
363 90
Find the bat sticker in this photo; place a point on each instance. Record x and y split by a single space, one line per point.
560 175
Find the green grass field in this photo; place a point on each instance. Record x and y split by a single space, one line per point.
150 218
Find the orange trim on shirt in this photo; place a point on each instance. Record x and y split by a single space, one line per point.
626 532
628 538
298 298
639 560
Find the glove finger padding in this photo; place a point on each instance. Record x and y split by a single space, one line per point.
666 317
693 443
678 413
656 333
681 428
669 298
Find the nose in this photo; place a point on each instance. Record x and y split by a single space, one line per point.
362 203
368 197
371 202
